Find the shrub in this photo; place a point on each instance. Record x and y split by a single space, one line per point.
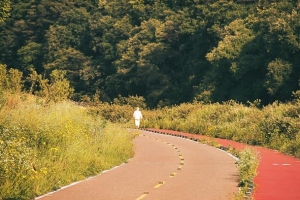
115 113
10 80
56 89
133 101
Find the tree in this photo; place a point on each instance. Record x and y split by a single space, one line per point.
73 62
30 56
11 79
105 32
253 54
55 89
278 74
236 74
139 68
4 10
277 26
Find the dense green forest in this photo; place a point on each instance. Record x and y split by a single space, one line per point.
166 51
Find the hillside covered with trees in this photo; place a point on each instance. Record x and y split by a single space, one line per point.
166 51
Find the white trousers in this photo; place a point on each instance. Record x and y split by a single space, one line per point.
137 122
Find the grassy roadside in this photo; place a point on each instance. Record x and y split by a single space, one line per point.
275 126
44 147
247 166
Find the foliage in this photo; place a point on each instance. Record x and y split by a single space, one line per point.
4 10
168 52
57 88
133 101
247 165
278 74
11 80
46 147
274 126
115 113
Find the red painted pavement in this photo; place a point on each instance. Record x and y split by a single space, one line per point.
278 175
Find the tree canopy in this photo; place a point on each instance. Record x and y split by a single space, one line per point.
166 51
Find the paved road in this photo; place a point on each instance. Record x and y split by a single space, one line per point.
163 168
278 175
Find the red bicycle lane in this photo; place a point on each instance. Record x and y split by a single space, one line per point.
278 175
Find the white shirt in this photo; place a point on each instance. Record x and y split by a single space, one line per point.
137 114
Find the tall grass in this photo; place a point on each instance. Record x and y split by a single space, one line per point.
44 147
247 166
275 126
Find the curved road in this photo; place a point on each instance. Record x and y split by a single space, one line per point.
278 175
163 168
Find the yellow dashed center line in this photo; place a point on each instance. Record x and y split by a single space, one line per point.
171 175
143 195
159 184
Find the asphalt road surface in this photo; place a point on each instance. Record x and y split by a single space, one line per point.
163 168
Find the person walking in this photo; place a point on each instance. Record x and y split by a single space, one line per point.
137 117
